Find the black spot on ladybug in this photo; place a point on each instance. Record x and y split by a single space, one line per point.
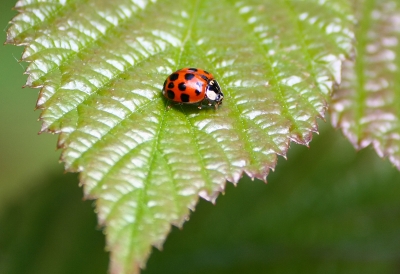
185 97
197 92
194 69
182 86
171 85
171 94
206 72
189 76
204 77
174 76
165 82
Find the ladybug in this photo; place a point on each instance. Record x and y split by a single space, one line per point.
191 86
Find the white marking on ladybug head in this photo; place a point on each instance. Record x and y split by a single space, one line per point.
211 95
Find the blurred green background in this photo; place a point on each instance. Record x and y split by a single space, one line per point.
327 209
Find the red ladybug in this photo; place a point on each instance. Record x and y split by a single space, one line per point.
191 86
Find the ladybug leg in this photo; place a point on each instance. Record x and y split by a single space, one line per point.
168 105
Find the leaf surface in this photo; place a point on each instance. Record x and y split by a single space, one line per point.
367 105
101 64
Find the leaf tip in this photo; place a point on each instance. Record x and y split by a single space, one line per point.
117 268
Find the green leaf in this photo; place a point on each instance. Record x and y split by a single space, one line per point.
367 105
101 64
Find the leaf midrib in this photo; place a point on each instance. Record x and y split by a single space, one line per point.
143 192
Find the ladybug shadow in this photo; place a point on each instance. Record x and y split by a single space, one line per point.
188 109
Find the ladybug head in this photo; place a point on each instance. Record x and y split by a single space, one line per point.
214 92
